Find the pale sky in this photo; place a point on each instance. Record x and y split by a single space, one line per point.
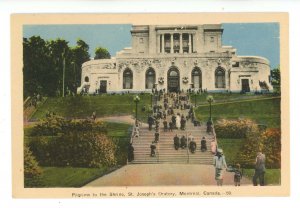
253 39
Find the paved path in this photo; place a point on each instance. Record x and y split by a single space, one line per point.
163 175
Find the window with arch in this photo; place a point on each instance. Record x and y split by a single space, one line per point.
127 79
220 78
86 79
197 78
150 78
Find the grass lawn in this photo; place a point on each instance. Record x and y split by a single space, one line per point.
272 176
65 177
262 111
84 106
225 97
231 148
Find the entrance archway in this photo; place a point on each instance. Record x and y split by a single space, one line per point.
173 80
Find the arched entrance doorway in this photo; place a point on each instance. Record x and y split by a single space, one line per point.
173 80
197 78
150 79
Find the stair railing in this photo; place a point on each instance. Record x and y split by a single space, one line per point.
187 149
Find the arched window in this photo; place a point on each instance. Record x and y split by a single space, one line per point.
173 80
197 78
127 79
220 78
86 79
150 78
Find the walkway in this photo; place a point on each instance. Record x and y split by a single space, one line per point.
163 175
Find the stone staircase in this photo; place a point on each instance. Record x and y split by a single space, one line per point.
165 151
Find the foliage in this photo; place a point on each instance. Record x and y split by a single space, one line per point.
101 53
79 143
31 166
54 125
235 129
268 142
43 63
75 149
271 140
275 75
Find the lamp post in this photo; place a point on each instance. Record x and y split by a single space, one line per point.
64 69
210 99
195 98
136 99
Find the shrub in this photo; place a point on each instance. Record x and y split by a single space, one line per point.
268 141
54 125
271 140
32 171
235 129
75 149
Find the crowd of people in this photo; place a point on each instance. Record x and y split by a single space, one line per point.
171 120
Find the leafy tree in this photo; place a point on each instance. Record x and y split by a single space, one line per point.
80 55
275 74
36 65
101 53
43 64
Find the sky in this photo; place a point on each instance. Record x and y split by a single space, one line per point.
253 39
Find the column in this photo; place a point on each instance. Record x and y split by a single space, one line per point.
190 43
157 44
180 38
172 51
163 43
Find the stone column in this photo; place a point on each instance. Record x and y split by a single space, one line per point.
172 50
180 38
190 43
163 43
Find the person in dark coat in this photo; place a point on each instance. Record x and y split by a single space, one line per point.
156 136
165 123
176 142
174 120
152 149
183 142
203 145
150 122
170 126
192 146
260 169
182 122
130 153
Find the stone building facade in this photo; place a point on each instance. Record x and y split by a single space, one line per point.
176 58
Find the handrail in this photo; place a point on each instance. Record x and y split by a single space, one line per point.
187 149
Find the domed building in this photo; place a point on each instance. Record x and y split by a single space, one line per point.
176 58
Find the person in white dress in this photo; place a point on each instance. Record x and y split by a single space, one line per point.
178 121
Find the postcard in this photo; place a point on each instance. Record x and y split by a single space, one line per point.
150 105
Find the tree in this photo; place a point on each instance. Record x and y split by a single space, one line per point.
44 63
80 54
60 56
36 65
101 53
275 74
